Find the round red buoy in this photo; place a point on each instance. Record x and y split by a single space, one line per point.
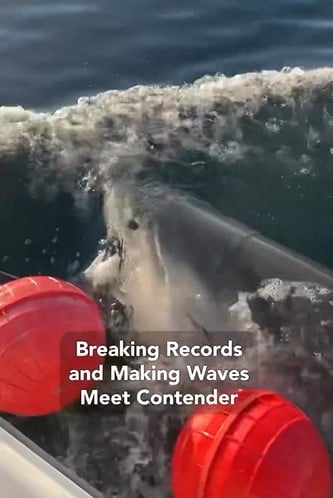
41 320
261 447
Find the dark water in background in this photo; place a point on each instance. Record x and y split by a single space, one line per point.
51 53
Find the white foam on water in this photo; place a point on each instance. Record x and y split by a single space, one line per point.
150 121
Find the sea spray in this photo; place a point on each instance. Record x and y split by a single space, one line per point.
216 115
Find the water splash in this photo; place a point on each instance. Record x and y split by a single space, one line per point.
221 139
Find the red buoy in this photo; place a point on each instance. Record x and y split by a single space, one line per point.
41 320
261 447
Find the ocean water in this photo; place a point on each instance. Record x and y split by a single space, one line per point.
271 165
106 104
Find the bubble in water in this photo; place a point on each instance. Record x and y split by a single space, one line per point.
73 267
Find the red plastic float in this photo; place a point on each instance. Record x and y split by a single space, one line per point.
261 447
41 319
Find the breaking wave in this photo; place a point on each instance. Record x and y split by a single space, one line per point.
223 139
287 114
